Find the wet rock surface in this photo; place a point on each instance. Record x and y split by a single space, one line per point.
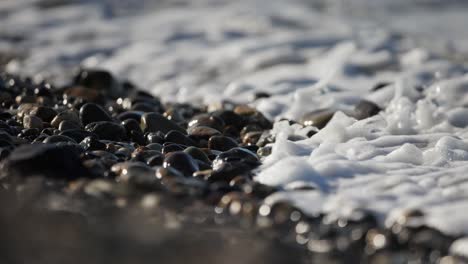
143 180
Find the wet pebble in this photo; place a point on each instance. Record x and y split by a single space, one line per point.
182 162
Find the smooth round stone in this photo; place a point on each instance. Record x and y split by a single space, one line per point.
154 122
155 146
137 137
30 132
155 138
77 134
58 138
68 115
252 137
169 172
175 136
131 125
68 125
50 160
365 109
90 113
91 143
233 163
99 80
30 121
155 160
142 153
230 118
43 112
172 148
203 132
134 172
244 110
197 153
221 143
136 115
207 120
182 162
107 130
260 95
250 128
259 119
318 118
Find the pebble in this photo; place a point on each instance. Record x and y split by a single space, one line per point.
221 143
365 109
47 160
317 118
203 132
68 115
98 80
58 138
154 122
182 162
68 125
107 130
30 121
90 113
178 137
197 153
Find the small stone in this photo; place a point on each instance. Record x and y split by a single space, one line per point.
207 121
43 112
230 118
172 148
221 143
203 132
365 109
244 110
91 143
68 115
68 125
32 122
155 160
77 134
131 125
99 80
260 95
317 118
182 162
232 163
251 138
175 136
90 113
107 130
45 159
197 153
154 122
58 138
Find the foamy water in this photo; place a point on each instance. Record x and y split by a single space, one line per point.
412 155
